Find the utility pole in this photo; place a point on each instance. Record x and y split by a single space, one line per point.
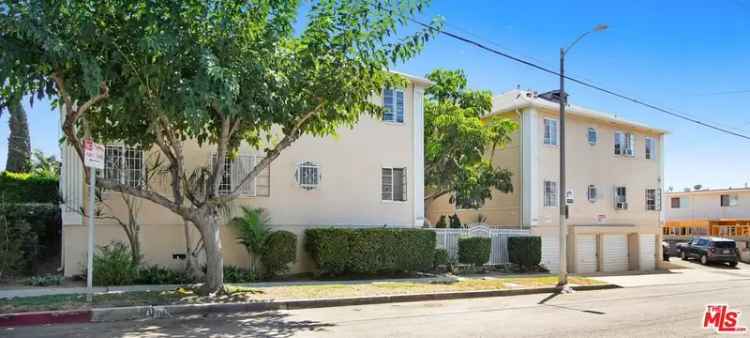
562 283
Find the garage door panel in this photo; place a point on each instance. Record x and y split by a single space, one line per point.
551 252
647 252
615 253
586 253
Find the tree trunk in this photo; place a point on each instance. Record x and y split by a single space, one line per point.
210 230
191 264
19 142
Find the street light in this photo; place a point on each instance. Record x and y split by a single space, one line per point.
562 284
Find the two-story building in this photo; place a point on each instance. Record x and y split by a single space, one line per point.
714 212
615 170
368 176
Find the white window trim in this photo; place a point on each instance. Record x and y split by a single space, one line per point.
616 199
380 174
646 141
122 173
657 197
624 146
557 132
298 175
596 136
596 193
394 121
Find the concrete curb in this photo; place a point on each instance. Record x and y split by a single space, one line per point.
165 311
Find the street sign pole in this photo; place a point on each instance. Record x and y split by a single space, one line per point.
93 159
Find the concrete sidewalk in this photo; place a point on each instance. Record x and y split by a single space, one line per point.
680 272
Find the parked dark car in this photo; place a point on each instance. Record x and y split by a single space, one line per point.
710 250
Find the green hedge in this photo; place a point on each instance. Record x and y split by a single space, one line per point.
474 250
525 251
371 251
28 188
281 250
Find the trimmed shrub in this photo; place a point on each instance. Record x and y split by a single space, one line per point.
280 251
371 251
45 280
113 265
235 274
160 275
28 188
474 250
441 257
441 223
455 222
525 251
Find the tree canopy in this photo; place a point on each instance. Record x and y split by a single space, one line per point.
157 73
460 141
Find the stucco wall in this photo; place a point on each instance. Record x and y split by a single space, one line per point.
349 192
706 205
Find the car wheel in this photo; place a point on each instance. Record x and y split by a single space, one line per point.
704 259
733 264
683 255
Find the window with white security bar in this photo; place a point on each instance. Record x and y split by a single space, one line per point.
393 184
624 144
550 131
236 168
550 194
308 175
393 105
653 199
123 165
621 198
592 193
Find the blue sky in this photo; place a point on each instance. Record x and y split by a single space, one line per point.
679 55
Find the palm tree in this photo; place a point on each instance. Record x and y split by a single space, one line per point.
252 230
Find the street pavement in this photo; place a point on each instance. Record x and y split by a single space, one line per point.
654 305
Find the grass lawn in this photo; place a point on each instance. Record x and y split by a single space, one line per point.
241 294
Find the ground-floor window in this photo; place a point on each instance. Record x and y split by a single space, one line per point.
393 184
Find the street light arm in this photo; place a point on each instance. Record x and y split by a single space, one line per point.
565 51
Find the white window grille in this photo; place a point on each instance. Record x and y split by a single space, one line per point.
652 200
550 194
550 131
650 151
393 184
592 193
592 136
621 198
236 168
308 175
393 105
123 165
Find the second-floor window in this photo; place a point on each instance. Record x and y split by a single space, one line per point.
653 199
550 131
393 105
678 202
592 136
621 198
592 193
550 194
650 150
728 200
123 165
624 144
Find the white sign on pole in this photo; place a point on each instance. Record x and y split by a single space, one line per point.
93 154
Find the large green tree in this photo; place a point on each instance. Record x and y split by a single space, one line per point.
157 73
460 142
19 140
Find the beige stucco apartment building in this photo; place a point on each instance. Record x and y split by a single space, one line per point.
371 175
614 178
715 212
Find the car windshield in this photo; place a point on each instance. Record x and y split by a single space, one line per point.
724 245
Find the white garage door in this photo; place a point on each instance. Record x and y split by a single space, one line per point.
551 252
647 252
615 257
585 253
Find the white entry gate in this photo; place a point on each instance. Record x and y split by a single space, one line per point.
448 239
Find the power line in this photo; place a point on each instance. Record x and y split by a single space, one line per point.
580 82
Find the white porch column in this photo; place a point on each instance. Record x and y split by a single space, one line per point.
418 153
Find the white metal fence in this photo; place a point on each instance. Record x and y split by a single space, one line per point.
448 239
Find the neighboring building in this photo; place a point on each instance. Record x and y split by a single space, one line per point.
715 212
614 176
370 175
